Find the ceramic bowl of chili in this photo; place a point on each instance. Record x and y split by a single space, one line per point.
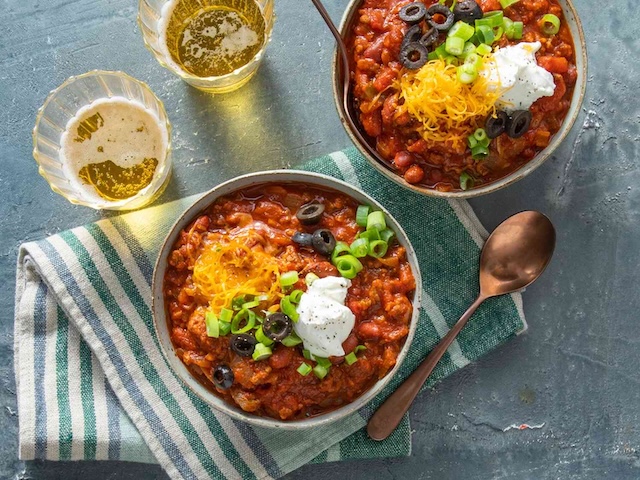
387 39
270 200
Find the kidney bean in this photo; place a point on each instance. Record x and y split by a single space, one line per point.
414 174
403 159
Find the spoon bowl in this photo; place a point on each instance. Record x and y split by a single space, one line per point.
514 255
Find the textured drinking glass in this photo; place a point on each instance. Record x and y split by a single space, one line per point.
149 15
63 104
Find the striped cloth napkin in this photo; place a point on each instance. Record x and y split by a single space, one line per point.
92 382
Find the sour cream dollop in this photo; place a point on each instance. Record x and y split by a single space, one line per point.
515 68
324 321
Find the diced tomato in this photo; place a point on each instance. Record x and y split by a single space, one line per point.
554 64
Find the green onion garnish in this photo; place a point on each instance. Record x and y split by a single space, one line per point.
387 234
341 248
288 278
351 358
360 247
480 135
224 327
359 348
479 152
461 30
490 19
262 338
307 354
304 369
295 296
454 45
226 315
507 3
237 302
467 73
474 60
469 49
517 30
471 141
485 34
348 266
497 33
243 316
213 329
310 278
320 372
325 362
250 305
466 181
261 352
550 24
291 340
288 308
361 215
378 248
376 220
372 234
483 49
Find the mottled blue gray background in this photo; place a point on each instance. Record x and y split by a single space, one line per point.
576 369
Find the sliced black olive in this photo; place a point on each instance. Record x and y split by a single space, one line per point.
496 126
303 239
323 241
442 10
414 55
243 344
222 376
277 326
413 13
430 37
467 11
413 35
519 123
310 213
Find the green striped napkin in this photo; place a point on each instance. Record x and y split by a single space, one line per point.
92 382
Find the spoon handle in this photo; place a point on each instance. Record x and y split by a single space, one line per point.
385 420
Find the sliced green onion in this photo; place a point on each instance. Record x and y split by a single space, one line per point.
226 315
387 234
466 181
361 215
378 248
469 49
213 328
359 247
483 49
550 24
304 369
359 348
237 302
485 34
372 234
507 24
451 60
224 327
471 141
295 296
467 73
246 316
517 30
348 265
291 340
461 30
497 33
490 19
507 3
250 305
307 354
454 45
376 220
310 278
342 248
320 372
432 56
288 308
480 135
288 278
440 51
325 362
351 358
262 338
474 60
261 352
479 152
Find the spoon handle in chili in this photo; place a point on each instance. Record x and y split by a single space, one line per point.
385 420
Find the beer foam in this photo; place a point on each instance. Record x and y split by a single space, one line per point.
125 132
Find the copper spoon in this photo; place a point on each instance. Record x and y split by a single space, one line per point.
346 83
516 254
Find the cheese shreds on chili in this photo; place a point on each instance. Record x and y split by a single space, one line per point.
448 110
230 268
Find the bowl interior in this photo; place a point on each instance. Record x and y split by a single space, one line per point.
351 15
159 313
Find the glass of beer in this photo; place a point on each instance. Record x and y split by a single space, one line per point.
102 140
214 45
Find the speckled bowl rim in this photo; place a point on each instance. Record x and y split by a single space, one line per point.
159 313
571 16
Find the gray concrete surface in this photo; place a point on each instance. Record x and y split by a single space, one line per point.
576 370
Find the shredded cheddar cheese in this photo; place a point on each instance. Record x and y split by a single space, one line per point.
229 268
448 110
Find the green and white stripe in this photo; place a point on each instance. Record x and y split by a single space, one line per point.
86 352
